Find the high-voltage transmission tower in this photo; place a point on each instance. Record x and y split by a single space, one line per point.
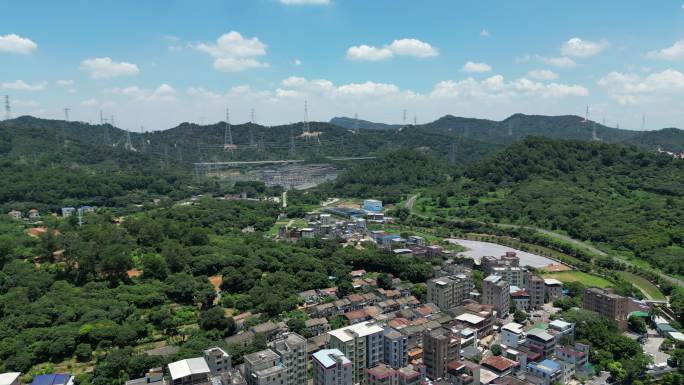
643 122
403 119
594 136
66 113
356 124
228 134
8 109
128 145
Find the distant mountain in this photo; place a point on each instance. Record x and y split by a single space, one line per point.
519 126
351 123
669 139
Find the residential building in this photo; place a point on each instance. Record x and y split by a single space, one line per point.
463 373
15 214
317 326
362 343
561 329
500 365
265 368
382 374
489 262
409 375
331 367
33 214
577 355
440 346
11 378
553 288
192 371
292 351
154 376
476 316
534 285
395 348
496 292
450 291
544 373
512 334
514 275
53 379
520 298
218 360
541 341
608 304
372 205
68 211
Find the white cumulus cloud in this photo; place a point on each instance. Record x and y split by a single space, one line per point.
578 47
20 85
163 93
632 88
399 47
497 88
14 43
65 83
484 33
106 68
542 74
673 52
560 62
89 102
474 67
232 52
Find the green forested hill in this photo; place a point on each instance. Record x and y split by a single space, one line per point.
670 139
620 196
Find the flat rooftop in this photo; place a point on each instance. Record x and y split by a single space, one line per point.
470 318
362 329
184 368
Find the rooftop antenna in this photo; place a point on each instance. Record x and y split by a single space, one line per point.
251 129
227 134
356 123
8 109
66 113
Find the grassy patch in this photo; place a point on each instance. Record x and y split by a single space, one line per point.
650 290
580 276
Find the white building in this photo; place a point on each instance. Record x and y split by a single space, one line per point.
512 334
362 343
11 378
331 367
193 371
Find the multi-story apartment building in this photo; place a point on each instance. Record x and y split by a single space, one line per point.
514 275
362 343
496 292
608 304
440 346
218 360
331 367
541 341
382 374
395 348
292 351
554 289
534 285
265 368
508 259
450 291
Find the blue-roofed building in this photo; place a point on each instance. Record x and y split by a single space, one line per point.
546 372
372 205
53 379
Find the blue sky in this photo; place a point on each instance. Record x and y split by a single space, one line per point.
158 63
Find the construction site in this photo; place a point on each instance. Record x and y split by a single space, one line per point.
294 174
